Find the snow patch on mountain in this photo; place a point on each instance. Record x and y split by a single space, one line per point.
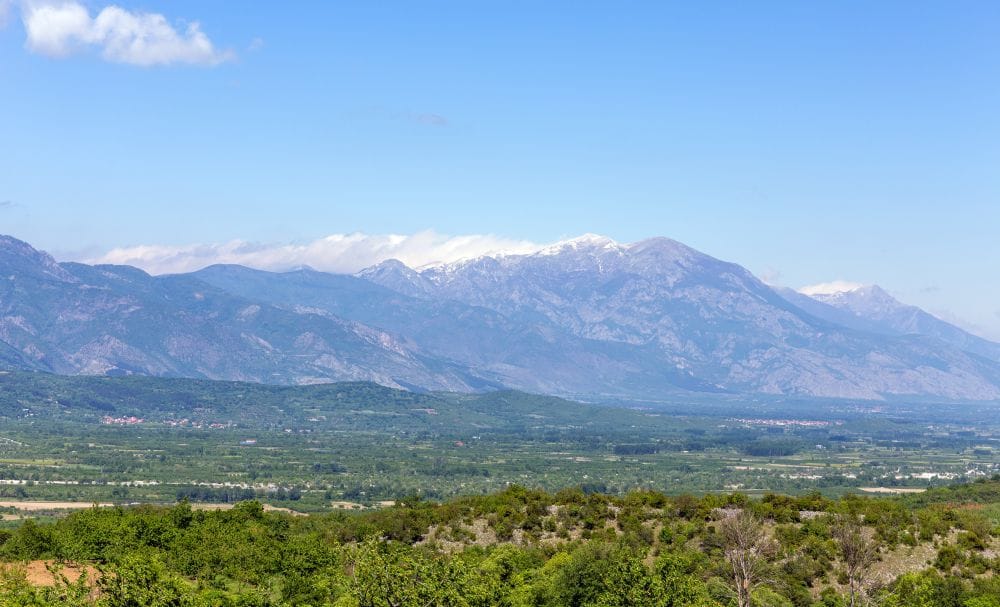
830 288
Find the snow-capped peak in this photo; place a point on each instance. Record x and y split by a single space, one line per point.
585 241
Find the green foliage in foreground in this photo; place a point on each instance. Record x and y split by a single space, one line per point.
516 548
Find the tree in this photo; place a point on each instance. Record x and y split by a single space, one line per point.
572 579
858 551
627 583
141 580
390 574
747 550
679 586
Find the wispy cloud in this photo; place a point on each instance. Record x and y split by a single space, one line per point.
379 112
770 276
7 204
431 119
61 28
830 288
343 253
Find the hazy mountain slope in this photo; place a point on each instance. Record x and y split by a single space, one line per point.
836 316
526 354
872 304
73 318
586 317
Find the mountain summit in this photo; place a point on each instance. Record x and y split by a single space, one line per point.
584 317
20 261
710 322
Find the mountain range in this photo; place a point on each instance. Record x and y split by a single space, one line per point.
587 317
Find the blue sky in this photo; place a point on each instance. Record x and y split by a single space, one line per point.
809 141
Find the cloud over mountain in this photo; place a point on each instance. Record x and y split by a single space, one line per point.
343 253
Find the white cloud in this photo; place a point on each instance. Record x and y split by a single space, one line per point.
830 288
58 29
342 253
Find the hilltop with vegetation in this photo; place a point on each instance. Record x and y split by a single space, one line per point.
524 547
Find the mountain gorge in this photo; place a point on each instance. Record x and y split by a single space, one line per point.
587 317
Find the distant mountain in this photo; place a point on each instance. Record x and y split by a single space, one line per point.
503 351
872 308
399 277
710 320
77 319
587 317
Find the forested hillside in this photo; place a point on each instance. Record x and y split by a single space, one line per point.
524 547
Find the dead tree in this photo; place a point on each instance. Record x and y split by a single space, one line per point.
858 552
748 550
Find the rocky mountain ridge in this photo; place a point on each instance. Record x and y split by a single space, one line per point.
587 317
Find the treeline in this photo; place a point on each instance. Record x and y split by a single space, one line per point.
526 548
232 495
